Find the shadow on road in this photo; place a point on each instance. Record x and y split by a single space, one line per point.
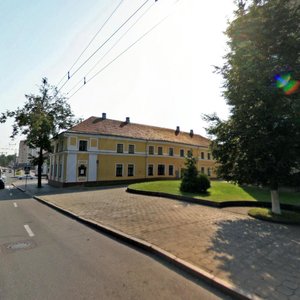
12 194
259 256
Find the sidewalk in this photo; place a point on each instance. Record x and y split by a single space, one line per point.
252 257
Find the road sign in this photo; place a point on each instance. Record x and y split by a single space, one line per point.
27 170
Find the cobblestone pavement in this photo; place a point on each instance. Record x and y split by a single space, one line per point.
260 257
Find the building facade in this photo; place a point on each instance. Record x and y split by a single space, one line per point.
102 151
25 153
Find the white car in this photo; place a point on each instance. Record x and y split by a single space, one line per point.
25 176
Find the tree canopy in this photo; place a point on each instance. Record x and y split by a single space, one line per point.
260 142
41 118
6 160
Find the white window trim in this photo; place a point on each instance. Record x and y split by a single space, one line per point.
149 151
161 152
164 169
116 170
180 153
169 170
87 144
153 165
117 148
133 169
133 148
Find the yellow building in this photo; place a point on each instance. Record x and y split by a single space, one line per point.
103 151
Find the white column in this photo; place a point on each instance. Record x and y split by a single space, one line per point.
71 168
92 168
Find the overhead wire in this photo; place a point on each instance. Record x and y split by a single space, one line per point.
96 34
93 38
123 52
111 48
105 42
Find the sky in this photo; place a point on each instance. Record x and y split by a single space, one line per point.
165 79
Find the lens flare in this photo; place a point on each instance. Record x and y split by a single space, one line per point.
285 83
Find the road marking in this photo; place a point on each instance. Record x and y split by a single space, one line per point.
15 204
29 231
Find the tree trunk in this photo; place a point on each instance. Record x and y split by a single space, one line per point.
275 202
40 163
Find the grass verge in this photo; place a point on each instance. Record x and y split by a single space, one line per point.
220 191
287 217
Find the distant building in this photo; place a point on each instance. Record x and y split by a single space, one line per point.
101 151
25 153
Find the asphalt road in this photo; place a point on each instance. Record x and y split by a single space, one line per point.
46 255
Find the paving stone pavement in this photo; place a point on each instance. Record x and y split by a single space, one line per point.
260 257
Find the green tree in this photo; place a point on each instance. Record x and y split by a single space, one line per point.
192 181
189 177
260 142
41 118
5 160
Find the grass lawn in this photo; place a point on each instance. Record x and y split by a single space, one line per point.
220 191
287 217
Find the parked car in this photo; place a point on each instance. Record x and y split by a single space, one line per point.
2 184
25 176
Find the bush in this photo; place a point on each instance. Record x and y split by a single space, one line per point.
203 183
193 182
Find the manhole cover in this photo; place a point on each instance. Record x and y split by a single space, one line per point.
20 245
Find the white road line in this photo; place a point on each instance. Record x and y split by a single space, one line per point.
15 204
29 231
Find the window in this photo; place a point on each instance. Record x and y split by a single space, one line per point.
56 150
171 151
161 170
202 170
181 152
131 149
150 170
120 148
55 170
160 150
208 171
119 170
202 155
208 156
171 170
82 145
151 150
130 170
82 171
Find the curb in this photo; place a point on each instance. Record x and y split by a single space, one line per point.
212 203
163 254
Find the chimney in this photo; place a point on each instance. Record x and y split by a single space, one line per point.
127 120
177 130
191 133
103 116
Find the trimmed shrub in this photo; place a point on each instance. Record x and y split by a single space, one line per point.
203 183
192 182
